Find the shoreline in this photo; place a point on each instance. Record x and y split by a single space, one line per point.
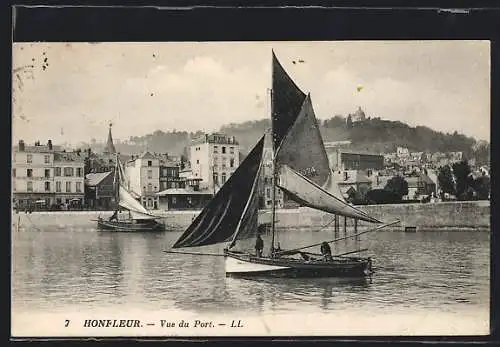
463 215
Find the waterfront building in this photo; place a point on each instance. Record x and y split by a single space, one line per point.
214 158
353 182
169 174
100 191
419 186
266 183
343 159
69 178
33 174
143 173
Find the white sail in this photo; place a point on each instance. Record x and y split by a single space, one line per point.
136 209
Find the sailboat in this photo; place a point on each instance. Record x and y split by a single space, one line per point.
301 170
138 218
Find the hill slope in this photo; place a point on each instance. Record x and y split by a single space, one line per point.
373 135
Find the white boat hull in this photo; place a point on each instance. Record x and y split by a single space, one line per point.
237 266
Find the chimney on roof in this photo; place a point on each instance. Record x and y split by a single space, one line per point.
49 144
21 146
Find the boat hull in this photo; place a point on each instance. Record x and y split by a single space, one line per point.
126 226
245 265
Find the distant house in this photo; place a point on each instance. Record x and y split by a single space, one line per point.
419 186
354 181
100 191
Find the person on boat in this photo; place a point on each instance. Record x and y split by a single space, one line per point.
326 251
114 216
259 246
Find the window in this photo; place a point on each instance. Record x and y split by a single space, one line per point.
68 171
57 171
268 192
150 163
29 186
231 162
223 163
223 177
150 173
150 187
29 172
29 158
79 172
231 150
58 187
174 200
197 161
47 186
68 187
13 172
223 149
216 178
46 159
216 149
14 186
47 173
78 187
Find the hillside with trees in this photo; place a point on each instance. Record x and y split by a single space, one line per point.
374 135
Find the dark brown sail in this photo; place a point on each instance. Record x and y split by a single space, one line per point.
221 218
302 147
286 101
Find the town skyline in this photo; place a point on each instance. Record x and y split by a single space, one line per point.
179 86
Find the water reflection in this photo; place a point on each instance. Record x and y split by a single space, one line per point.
52 269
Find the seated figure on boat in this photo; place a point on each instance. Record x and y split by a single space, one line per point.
275 252
259 246
326 251
114 216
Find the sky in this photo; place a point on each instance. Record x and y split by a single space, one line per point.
74 90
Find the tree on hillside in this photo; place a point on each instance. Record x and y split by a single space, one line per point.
398 186
482 187
461 172
446 180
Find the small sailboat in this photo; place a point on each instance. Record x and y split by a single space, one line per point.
138 219
301 170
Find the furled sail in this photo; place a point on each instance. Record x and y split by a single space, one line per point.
286 101
306 192
233 208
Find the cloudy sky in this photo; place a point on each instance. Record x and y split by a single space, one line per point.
142 87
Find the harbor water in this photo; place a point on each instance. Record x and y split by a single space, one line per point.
425 283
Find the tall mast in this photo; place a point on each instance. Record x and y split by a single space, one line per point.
273 180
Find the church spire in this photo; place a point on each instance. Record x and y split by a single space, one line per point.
110 147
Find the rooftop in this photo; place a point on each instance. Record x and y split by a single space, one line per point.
69 156
93 179
219 138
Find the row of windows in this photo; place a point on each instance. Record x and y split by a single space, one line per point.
223 149
68 172
29 159
47 185
223 178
